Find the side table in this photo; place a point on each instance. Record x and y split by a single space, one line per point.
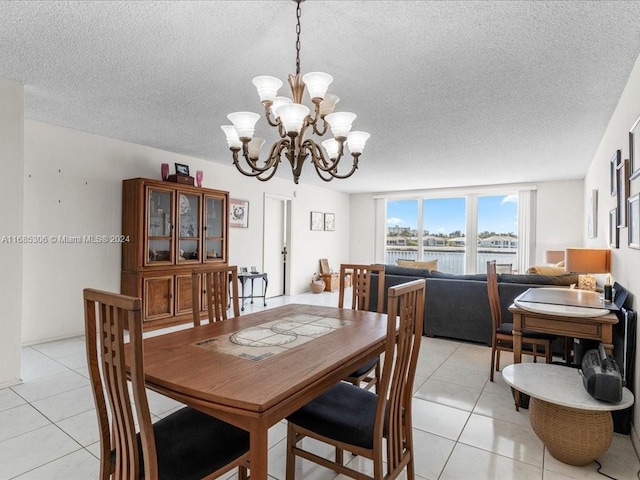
243 277
331 281
573 426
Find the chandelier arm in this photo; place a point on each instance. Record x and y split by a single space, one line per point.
323 166
267 114
272 161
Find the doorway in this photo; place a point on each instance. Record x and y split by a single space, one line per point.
277 239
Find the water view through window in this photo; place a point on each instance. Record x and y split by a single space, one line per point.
439 226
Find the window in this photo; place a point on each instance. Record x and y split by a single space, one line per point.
497 232
444 236
461 232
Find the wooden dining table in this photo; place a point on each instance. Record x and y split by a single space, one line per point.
251 386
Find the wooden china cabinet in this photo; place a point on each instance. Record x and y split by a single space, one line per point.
172 228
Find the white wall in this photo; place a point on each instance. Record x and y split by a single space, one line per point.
559 220
560 216
72 186
11 160
625 262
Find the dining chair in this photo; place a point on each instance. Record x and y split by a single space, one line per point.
359 421
185 445
212 284
502 336
369 373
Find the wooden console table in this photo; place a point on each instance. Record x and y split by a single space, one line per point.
568 319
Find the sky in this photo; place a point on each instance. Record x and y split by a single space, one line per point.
497 213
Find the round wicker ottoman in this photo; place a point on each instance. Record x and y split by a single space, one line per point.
574 427
573 436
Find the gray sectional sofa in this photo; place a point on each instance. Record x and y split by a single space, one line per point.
457 306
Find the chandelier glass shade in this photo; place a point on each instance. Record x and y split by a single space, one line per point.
293 121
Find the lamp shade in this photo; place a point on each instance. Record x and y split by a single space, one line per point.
292 116
254 147
245 123
328 104
331 145
356 141
277 103
233 140
267 87
588 260
340 123
317 83
553 256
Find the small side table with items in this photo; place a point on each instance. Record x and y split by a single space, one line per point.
243 277
573 426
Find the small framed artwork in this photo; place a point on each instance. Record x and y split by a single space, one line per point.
182 169
623 191
614 237
634 150
613 167
317 220
243 270
592 214
329 222
238 213
634 221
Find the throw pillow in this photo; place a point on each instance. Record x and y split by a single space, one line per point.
546 270
429 265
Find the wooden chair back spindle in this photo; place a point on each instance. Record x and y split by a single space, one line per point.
361 286
213 283
494 296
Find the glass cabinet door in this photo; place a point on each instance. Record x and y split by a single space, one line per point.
188 228
214 228
159 248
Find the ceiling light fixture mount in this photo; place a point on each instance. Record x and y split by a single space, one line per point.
293 120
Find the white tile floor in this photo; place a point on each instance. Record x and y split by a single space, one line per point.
464 426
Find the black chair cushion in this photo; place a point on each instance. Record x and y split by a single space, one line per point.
365 368
507 328
345 413
191 445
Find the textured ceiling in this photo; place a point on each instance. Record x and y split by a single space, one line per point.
453 93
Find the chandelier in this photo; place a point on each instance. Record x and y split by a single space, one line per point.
293 121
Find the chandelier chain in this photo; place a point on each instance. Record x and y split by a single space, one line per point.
298 14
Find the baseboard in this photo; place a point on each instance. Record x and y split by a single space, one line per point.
52 339
12 383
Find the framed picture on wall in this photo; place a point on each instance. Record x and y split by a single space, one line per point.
614 237
329 222
634 221
238 213
623 191
317 221
634 150
613 167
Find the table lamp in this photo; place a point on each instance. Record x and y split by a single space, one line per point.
553 256
587 261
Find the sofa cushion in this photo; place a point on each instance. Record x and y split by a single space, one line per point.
404 271
428 265
479 277
546 270
560 280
